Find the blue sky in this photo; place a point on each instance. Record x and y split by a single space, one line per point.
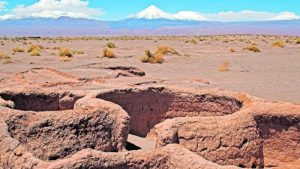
114 10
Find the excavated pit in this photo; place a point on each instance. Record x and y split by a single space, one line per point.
51 126
148 107
41 101
280 137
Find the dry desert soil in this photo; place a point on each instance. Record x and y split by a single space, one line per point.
224 101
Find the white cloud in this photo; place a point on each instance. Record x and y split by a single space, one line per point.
250 16
154 12
2 5
189 15
54 9
285 16
240 16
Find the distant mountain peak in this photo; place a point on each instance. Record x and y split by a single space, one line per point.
153 12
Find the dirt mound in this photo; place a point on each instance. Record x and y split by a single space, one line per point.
39 77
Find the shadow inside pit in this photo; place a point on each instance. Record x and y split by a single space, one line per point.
132 147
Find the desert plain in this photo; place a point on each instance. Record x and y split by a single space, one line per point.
223 101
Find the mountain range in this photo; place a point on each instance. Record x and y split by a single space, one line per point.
151 21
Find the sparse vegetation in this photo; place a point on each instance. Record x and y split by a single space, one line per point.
35 52
252 48
3 55
65 59
7 61
35 47
77 52
194 41
5 58
111 45
65 52
166 50
224 67
232 50
187 55
18 49
108 53
278 43
152 58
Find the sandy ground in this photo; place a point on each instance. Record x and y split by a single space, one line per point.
272 74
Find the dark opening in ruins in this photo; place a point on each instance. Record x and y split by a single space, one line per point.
132 147
41 101
153 105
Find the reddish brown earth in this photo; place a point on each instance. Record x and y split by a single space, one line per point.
120 113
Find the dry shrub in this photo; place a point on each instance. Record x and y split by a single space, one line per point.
152 58
111 45
65 52
166 50
56 48
187 55
279 43
18 49
3 55
252 48
108 53
7 61
194 41
35 47
224 67
35 52
232 50
77 52
65 59
298 41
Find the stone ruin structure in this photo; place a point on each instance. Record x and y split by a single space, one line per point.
203 128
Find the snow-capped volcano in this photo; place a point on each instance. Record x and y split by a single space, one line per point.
153 12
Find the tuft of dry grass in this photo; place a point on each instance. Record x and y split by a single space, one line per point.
18 49
278 43
3 55
65 59
224 67
65 52
77 52
232 50
298 41
252 48
166 50
35 47
152 58
7 61
108 53
111 45
187 55
35 52
194 41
